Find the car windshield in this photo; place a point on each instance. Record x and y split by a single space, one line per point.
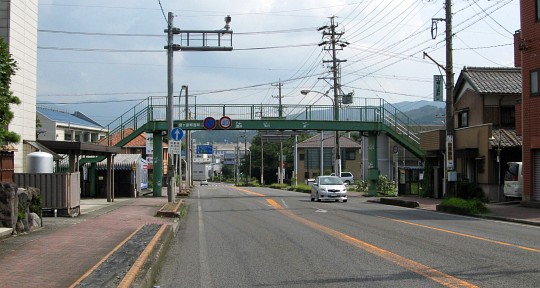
331 181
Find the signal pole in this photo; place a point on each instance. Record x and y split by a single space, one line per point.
204 40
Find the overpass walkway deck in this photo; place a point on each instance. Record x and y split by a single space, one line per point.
368 115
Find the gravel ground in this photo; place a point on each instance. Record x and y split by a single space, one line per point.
111 272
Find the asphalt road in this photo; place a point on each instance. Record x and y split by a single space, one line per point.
259 237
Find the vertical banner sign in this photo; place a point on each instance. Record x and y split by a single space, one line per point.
450 152
437 88
149 143
149 148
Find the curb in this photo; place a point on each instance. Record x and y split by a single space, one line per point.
146 267
170 210
399 202
5 232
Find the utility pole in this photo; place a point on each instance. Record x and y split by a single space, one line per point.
189 146
280 109
332 44
237 168
245 154
450 176
170 49
262 159
450 131
280 170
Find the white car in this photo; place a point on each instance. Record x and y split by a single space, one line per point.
347 177
328 188
204 182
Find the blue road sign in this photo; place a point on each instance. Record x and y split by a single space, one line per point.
204 149
209 123
177 134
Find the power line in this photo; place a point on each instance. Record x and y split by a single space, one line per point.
292 30
97 33
161 7
160 51
483 47
92 102
99 50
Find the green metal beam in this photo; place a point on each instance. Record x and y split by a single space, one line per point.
274 125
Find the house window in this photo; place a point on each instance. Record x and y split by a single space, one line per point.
508 116
463 119
67 135
350 154
534 82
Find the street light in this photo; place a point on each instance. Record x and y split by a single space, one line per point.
337 166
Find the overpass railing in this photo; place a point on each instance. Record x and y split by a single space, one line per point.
363 110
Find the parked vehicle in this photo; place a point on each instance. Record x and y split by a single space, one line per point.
346 177
328 188
204 182
513 180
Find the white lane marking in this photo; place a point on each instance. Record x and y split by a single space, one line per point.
204 270
320 211
284 204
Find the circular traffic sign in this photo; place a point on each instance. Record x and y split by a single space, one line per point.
209 123
177 134
225 122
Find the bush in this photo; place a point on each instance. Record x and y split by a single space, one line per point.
278 186
361 186
463 206
468 190
386 187
304 188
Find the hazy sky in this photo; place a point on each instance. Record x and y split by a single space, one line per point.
107 56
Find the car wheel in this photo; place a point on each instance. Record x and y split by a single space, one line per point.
318 198
312 199
345 201
348 182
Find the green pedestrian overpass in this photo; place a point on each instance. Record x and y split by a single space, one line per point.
371 116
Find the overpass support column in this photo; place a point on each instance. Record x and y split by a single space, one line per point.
373 169
158 163
92 179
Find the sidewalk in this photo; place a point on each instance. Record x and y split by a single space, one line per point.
511 211
63 250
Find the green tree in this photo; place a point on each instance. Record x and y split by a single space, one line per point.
271 158
8 66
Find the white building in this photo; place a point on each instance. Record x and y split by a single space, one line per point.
18 28
58 125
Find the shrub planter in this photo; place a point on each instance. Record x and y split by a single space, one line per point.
453 209
400 202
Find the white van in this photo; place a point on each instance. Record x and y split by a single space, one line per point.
513 180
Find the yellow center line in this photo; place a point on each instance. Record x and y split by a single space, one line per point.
416 267
250 192
463 234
